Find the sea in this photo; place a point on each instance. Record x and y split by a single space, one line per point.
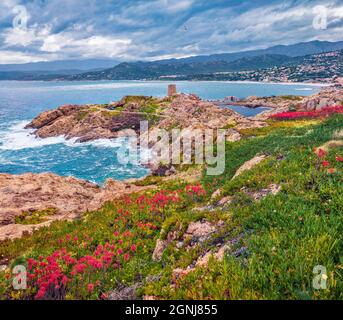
96 161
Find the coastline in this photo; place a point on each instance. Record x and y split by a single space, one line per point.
314 84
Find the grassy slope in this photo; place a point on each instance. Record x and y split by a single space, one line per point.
286 235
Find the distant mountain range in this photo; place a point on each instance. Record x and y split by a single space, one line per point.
60 66
153 70
226 62
321 67
294 50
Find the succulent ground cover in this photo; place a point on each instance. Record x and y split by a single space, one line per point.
320 113
271 244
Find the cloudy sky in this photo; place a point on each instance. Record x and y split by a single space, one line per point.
44 30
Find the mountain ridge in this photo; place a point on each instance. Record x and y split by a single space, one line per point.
275 56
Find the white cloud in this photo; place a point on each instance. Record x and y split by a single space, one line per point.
19 37
158 29
93 46
9 56
177 5
25 37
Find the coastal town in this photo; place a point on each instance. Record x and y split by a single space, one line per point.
318 68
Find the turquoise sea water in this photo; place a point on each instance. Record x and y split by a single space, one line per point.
21 152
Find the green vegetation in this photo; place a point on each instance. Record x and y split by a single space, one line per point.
82 115
292 98
273 243
229 125
273 125
34 217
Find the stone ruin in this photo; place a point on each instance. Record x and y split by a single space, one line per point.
171 90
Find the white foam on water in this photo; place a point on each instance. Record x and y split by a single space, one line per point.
87 86
99 143
18 138
304 89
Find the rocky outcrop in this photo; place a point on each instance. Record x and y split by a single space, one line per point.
272 189
190 111
85 123
91 122
249 165
328 96
161 245
67 196
124 293
332 96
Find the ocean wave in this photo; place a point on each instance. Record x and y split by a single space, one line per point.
99 143
71 86
18 138
304 89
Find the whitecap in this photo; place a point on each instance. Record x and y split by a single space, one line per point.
72 86
304 89
18 138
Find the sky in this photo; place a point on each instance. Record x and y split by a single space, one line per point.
127 30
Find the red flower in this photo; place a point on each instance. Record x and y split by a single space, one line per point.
325 163
133 248
90 287
339 159
321 153
126 257
324 112
331 170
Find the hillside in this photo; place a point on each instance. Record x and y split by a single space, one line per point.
255 232
309 67
153 70
186 67
321 67
293 50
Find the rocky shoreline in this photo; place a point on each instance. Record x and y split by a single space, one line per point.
29 194
122 118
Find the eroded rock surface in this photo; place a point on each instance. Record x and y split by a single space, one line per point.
68 196
332 96
249 164
91 122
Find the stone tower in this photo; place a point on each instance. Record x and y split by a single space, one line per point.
171 90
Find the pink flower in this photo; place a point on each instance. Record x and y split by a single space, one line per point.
321 153
90 287
325 163
126 257
133 248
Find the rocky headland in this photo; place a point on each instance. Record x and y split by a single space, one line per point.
49 197
328 96
30 201
91 122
